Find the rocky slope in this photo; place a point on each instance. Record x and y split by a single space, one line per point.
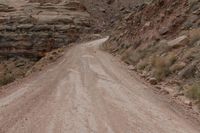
28 33
107 13
161 41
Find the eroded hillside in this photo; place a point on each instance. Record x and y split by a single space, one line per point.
107 13
160 40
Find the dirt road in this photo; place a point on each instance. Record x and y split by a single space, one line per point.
87 91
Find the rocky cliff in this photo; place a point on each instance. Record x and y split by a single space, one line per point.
37 29
29 31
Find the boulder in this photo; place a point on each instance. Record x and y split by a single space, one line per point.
131 67
178 66
188 102
102 10
163 30
147 24
64 19
188 71
110 1
63 28
44 27
178 42
24 26
164 92
197 12
185 100
153 81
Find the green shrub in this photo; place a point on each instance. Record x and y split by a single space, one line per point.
142 64
193 91
6 80
194 35
160 68
162 65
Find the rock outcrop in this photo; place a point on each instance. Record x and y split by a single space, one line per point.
30 31
39 28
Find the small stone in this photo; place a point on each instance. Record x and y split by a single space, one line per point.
110 1
143 75
180 41
131 67
147 24
185 100
153 81
178 94
164 30
170 90
164 92
102 10
20 64
158 87
25 26
188 102
197 12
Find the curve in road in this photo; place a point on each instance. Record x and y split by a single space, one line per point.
87 91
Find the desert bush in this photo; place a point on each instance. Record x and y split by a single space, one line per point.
193 91
133 56
161 65
170 59
160 69
7 79
142 64
194 35
137 56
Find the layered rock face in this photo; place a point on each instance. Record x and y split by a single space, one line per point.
30 30
46 1
37 28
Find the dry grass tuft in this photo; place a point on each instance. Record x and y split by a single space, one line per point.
194 35
162 65
7 79
193 92
142 64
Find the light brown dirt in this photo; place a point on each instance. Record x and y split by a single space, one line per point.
87 91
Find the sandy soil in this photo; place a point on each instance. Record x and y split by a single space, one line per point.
87 91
